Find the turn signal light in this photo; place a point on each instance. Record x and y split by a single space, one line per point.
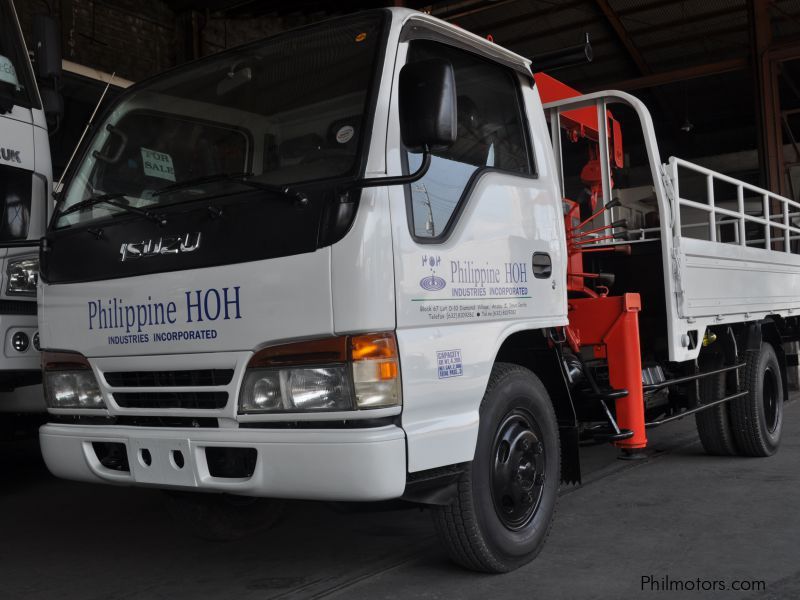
376 370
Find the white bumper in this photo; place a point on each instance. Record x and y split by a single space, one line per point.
333 464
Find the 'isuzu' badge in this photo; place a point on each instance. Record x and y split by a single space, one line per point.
187 242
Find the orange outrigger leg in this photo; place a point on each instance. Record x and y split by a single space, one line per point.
610 324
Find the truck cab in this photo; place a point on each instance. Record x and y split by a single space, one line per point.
25 184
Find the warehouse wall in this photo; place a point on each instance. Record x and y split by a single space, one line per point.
139 38
135 38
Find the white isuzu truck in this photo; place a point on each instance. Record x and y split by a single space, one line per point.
360 261
25 184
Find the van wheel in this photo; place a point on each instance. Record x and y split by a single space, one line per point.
507 495
757 418
714 424
222 517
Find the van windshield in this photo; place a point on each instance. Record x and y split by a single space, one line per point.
284 111
16 81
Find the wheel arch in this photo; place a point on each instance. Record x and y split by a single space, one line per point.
771 332
532 349
768 330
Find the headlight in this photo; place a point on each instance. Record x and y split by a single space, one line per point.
72 389
321 388
22 276
285 378
69 381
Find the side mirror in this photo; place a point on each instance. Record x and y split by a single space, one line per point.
46 47
428 113
427 103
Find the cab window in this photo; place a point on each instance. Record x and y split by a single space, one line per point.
491 135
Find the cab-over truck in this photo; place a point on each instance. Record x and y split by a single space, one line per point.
25 201
354 262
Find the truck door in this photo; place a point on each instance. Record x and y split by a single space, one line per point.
478 250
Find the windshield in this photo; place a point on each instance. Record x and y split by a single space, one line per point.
16 87
287 110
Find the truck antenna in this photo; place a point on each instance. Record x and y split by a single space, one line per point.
83 135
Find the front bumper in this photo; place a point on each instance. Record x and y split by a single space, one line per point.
315 464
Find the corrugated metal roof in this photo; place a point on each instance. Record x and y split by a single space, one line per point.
665 33
658 36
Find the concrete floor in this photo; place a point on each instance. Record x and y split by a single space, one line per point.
679 514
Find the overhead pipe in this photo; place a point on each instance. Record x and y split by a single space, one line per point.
570 56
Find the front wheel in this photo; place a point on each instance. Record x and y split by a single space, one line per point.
506 497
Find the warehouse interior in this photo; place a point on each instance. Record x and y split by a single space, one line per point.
721 78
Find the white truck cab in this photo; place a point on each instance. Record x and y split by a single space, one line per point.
25 184
338 264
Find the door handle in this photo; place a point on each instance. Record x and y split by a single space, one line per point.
542 265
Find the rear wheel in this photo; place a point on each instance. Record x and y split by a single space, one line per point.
507 495
757 418
222 517
714 424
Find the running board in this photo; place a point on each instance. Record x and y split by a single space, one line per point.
691 411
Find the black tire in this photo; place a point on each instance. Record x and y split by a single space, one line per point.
757 418
507 495
222 517
714 424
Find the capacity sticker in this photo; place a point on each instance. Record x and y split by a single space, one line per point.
449 363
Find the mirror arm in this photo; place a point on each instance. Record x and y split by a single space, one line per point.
123 143
22 243
399 179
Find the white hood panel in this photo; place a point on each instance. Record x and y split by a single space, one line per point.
228 308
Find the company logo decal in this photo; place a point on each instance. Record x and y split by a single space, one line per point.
164 320
478 288
432 283
187 242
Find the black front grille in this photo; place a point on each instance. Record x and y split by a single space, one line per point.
195 400
17 307
136 421
194 378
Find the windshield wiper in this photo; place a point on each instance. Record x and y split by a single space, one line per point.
180 185
111 200
242 178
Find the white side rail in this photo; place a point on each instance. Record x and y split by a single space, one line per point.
737 252
775 211
739 262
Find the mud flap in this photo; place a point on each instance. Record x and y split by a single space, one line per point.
570 454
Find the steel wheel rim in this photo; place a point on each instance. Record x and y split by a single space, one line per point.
770 400
518 469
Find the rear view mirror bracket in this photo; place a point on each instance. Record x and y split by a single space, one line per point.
399 179
123 142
